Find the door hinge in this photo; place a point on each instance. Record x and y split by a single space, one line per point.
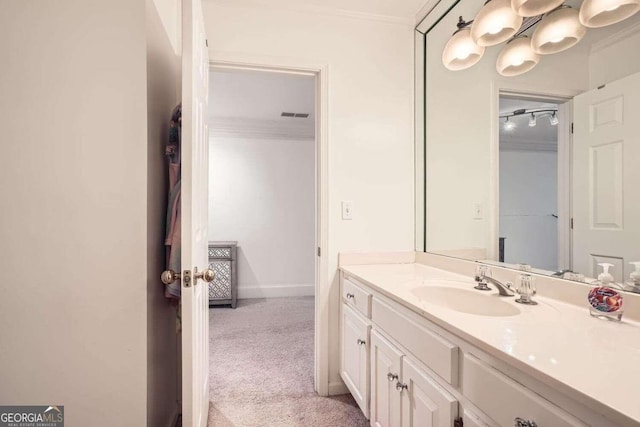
571 127
572 223
458 422
319 251
186 278
206 42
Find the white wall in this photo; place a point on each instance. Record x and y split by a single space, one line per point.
370 71
79 212
262 194
528 197
461 133
615 58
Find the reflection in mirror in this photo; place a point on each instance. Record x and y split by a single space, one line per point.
534 163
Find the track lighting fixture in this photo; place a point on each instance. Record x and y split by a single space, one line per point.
510 125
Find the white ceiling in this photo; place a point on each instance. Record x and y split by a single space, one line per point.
405 9
252 101
542 133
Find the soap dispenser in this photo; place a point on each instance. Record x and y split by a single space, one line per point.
633 284
604 301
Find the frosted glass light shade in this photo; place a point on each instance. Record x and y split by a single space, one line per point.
558 31
496 22
534 7
517 58
599 13
461 52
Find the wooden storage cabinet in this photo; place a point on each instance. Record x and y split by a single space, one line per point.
354 366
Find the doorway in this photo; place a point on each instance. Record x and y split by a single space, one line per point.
285 145
534 187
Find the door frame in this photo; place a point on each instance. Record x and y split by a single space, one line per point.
564 159
236 61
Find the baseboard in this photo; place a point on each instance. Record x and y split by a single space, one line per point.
276 291
337 388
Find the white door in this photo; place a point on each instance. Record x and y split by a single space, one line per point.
424 402
386 372
194 203
355 357
606 175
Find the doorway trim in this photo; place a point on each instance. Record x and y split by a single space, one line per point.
239 61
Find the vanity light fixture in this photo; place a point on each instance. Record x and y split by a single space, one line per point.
600 13
528 8
532 120
461 51
496 22
517 57
553 119
559 30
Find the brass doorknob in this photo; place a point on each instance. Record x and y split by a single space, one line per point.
169 276
207 275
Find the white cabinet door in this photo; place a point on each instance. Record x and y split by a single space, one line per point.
355 356
424 402
386 372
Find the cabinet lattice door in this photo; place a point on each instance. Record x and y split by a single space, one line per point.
222 260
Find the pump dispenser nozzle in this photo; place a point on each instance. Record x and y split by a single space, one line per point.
605 277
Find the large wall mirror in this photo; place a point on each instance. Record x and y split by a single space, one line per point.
530 150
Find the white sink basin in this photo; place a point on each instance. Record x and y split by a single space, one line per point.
466 301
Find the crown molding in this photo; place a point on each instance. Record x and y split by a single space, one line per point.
236 127
615 38
315 10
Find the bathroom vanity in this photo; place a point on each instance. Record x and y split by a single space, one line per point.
421 347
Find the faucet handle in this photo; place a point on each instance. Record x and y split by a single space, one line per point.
526 288
482 271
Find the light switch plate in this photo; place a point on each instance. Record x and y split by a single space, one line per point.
477 211
347 210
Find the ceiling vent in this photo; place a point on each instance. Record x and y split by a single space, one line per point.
298 115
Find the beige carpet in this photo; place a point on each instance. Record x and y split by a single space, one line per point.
262 368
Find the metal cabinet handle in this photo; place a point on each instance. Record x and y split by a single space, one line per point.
520 422
392 377
401 386
361 342
350 295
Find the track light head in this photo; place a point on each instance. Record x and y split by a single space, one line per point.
509 125
532 120
553 119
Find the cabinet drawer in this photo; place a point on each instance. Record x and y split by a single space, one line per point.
356 297
428 347
490 389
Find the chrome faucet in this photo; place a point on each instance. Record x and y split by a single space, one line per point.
483 275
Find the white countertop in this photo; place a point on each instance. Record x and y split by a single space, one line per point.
555 342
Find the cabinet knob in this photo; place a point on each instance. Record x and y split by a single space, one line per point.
392 377
361 342
350 296
401 386
520 422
